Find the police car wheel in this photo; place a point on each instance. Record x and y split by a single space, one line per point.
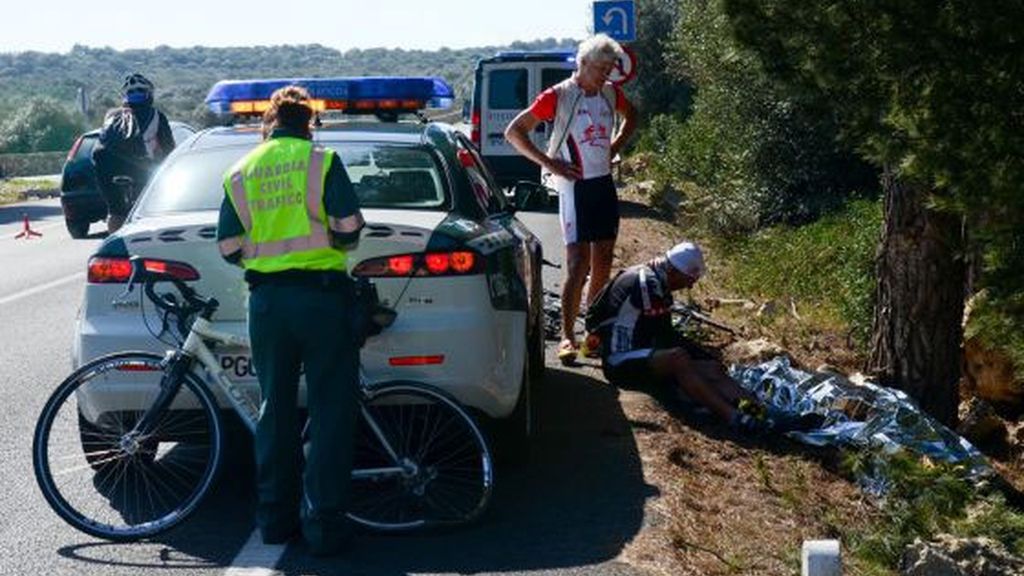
77 229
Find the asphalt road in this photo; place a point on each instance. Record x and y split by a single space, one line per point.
569 510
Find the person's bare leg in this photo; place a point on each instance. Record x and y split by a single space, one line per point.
601 254
577 263
676 363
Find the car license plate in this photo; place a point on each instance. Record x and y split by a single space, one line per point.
238 366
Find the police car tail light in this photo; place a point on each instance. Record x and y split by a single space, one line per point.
74 149
117 270
455 263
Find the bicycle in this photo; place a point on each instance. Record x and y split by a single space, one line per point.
131 471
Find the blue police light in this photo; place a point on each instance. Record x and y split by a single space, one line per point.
538 55
358 94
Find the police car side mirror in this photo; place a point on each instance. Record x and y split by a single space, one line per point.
527 195
465 110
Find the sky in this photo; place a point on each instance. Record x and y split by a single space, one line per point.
57 25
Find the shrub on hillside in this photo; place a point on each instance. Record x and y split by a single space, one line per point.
42 125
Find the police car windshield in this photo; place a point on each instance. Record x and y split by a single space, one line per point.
383 176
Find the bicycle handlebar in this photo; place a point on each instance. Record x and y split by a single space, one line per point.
193 302
688 311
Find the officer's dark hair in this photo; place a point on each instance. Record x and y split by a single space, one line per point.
289 109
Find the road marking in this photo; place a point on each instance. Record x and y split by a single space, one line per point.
41 288
256 558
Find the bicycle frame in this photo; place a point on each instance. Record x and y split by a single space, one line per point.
195 347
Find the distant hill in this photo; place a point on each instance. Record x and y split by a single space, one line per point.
184 75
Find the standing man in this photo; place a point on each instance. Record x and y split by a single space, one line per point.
577 164
289 217
134 139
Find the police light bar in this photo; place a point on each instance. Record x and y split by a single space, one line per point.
540 55
353 95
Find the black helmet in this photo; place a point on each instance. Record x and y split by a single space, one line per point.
137 89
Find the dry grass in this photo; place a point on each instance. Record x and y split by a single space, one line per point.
17 190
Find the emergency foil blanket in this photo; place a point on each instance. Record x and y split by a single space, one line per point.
857 415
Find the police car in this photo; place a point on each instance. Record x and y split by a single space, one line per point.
441 244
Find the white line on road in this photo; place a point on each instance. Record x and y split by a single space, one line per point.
41 288
256 558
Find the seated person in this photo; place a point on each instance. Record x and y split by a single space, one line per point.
639 345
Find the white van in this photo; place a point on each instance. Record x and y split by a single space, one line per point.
503 86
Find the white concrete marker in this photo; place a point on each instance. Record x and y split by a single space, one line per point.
821 558
256 558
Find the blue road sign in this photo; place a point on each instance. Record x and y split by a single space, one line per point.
616 18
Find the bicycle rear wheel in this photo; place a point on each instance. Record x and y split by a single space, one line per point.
420 461
108 481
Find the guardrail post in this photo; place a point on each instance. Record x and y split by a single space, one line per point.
821 558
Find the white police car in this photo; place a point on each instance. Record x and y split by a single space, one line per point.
441 244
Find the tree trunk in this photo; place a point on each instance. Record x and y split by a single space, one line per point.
915 344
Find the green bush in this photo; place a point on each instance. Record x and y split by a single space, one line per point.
42 125
827 264
922 501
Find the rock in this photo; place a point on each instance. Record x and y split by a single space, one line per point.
646 188
980 424
826 367
951 556
768 309
990 375
752 351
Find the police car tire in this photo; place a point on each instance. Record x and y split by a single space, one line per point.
535 349
535 345
77 229
514 435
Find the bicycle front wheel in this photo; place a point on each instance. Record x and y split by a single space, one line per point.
420 460
100 474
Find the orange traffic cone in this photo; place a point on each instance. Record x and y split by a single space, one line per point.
27 232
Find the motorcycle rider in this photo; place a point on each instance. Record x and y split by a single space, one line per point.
134 139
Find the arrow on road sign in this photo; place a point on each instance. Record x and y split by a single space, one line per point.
610 15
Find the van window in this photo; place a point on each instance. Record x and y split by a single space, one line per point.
508 89
551 76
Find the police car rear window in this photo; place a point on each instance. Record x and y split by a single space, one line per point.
383 176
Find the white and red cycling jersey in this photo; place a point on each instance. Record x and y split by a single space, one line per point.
588 142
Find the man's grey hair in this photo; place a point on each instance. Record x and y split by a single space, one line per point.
599 49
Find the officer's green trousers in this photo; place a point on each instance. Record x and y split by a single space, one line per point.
296 327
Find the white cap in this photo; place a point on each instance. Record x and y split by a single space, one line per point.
687 258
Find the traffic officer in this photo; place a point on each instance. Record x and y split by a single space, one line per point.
289 217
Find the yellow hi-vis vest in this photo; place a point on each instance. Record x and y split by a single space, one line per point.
277 191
